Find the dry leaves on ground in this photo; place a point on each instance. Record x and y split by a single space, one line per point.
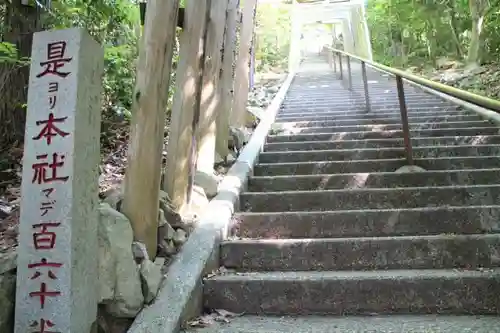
218 316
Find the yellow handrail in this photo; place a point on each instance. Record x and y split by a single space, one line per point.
479 100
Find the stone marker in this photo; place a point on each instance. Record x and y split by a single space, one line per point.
57 255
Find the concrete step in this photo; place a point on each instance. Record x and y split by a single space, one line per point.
362 253
370 198
381 143
355 324
373 180
377 121
321 100
368 223
377 153
437 132
314 115
356 292
379 165
375 106
385 127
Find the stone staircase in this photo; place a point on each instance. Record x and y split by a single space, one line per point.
328 227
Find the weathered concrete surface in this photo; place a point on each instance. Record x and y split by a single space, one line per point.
382 143
388 120
362 253
356 292
356 324
373 180
378 165
371 198
368 223
378 153
386 127
438 132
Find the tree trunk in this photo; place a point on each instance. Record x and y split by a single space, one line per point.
20 21
478 9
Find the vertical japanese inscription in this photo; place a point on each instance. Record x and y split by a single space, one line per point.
45 157
57 231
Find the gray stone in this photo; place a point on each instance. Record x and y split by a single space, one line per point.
209 182
199 201
114 197
168 247
139 251
409 168
238 137
166 232
8 261
7 298
180 237
119 280
161 218
151 278
76 100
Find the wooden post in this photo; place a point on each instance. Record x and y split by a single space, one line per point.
143 175
177 181
210 94
242 65
226 81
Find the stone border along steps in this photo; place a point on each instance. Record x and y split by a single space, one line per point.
327 227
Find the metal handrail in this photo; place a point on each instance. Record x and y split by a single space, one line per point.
482 101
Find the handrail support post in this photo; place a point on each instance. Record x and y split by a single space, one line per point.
349 73
340 67
365 86
334 63
404 119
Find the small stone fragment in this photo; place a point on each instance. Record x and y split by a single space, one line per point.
151 277
140 252
209 182
410 168
161 218
166 232
167 247
180 237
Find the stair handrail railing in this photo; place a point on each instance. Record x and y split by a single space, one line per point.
460 94
482 101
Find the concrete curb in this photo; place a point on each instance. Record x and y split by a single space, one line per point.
180 296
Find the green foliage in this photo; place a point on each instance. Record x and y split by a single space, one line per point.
412 32
116 25
272 32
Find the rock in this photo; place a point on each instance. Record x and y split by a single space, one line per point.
114 197
151 277
166 232
231 158
218 158
199 200
167 248
238 137
160 262
7 301
273 89
8 261
409 168
180 237
161 218
119 279
209 182
140 252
